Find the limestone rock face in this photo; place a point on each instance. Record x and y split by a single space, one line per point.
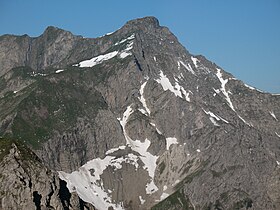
132 120
27 184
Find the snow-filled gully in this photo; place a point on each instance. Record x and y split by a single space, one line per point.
87 180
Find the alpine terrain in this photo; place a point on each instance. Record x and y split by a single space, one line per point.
131 120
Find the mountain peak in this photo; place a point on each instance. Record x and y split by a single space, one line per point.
52 29
149 20
145 24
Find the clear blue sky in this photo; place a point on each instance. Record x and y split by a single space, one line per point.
242 36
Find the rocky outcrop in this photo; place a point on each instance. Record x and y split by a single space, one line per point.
27 184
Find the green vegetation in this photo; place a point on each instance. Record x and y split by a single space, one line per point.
245 203
23 72
224 171
55 102
24 152
177 200
54 106
161 167
196 173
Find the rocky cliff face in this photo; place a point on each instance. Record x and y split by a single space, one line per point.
27 184
132 120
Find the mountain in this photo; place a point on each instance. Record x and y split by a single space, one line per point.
132 120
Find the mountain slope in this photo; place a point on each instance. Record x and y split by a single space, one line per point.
132 120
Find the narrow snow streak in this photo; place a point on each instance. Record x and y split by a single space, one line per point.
244 121
187 94
154 125
252 88
114 150
212 115
142 99
126 52
188 67
123 122
277 134
126 39
147 158
273 115
223 88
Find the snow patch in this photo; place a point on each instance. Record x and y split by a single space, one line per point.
114 150
170 141
125 54
142 201
58 71
166 85
109 33
195 61
213 121
216 90
277 134
177 89
198 150
149 161
176 182
163 196
88 183
97 60
87 180
186 94
164 187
